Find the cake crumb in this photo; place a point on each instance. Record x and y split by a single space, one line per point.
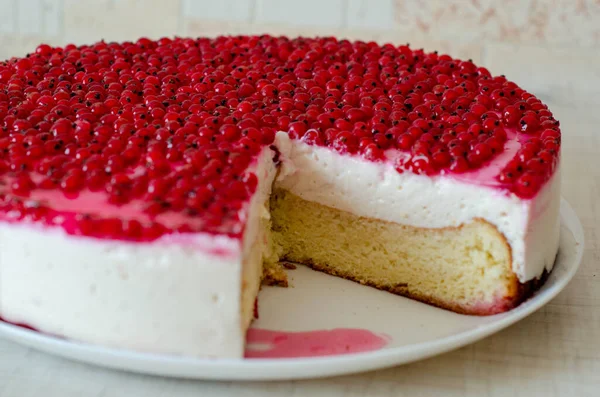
289 265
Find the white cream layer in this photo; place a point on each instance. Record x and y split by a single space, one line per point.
377 190
160 297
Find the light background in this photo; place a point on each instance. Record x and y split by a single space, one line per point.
549 46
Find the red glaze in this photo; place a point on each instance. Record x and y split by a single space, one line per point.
262 343
171 126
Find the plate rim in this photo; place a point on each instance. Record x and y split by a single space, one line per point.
261 369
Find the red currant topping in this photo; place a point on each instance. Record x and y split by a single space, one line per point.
172 126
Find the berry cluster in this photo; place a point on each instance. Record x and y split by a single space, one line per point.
175 124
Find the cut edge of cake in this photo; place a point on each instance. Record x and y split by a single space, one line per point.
465 269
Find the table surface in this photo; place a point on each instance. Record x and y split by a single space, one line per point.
554 352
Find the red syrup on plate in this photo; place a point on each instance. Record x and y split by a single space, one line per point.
262 343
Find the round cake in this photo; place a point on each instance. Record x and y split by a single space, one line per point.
148 189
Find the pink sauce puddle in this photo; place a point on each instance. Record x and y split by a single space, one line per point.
262 343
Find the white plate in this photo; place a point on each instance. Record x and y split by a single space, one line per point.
319 302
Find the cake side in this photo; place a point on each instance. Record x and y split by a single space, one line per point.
543 230
164 297
183 293
259 260
466 269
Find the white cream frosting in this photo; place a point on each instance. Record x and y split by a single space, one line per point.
377 190
160 297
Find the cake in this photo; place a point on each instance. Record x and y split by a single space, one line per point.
149 188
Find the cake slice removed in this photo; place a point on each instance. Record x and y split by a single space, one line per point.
458 243
466 269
